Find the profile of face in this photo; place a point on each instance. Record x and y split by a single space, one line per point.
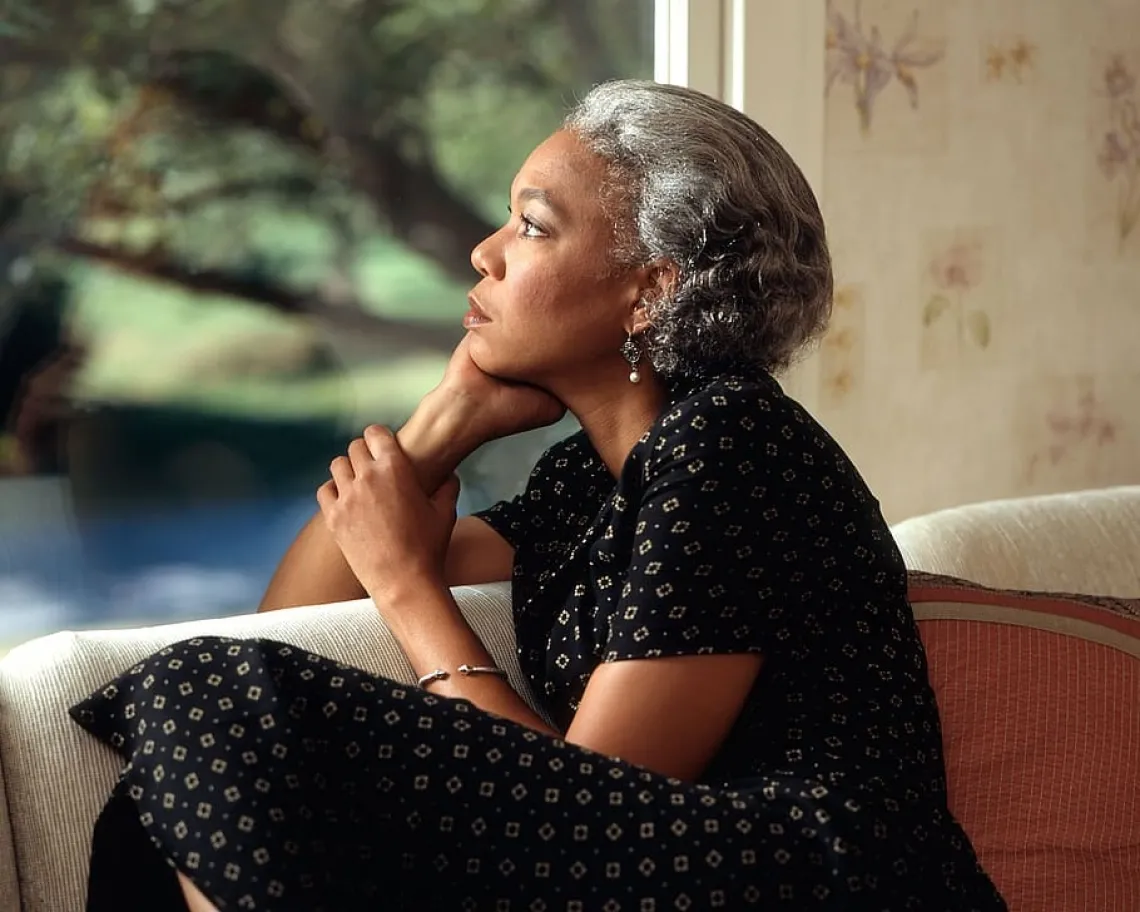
551 308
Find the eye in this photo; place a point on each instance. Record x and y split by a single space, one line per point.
531 228
528 227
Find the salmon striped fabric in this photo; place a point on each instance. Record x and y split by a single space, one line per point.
1040 702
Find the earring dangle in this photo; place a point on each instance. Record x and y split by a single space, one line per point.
631 351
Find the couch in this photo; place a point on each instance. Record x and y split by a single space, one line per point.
54 779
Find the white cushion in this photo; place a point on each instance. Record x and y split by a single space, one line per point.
59 777
1080 542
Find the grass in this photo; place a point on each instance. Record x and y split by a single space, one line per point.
150 342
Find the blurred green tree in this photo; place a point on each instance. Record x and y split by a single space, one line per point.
335 159
149 133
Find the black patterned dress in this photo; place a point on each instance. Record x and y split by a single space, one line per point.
278 779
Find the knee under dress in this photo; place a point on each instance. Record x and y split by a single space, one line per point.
281 780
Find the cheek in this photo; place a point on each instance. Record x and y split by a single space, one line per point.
537 292
560 290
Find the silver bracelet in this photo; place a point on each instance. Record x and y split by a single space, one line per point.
441 674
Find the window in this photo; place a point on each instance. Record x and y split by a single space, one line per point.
231 235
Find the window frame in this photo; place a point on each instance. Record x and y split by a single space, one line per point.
766 58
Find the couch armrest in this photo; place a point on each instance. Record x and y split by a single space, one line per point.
58 777
9 880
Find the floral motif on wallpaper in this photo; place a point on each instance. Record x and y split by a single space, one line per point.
856 56
1119 154
1012 62
841 352
1080 423
955 273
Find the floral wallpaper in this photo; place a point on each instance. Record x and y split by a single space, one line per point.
981 182
857 56
1119 156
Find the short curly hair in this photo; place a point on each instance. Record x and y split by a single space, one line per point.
696 182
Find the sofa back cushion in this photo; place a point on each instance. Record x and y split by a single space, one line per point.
1040 702
1081 541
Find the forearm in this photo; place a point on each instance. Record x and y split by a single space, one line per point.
433 633
436 439
313 570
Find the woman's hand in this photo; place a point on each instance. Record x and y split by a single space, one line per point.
392 535
491 407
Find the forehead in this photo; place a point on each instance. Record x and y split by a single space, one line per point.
567 171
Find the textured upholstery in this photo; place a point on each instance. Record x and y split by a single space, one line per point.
1087 541
1038 697
9 883
58 777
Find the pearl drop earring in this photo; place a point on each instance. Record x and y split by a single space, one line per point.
631 351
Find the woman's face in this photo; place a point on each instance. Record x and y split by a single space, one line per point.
550 308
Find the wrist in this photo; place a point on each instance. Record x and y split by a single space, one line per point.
438 437
411 598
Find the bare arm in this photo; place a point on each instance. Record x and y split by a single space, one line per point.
436 439
634 709
434 634
670 715
314 572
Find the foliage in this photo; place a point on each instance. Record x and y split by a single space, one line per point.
324 165
367 114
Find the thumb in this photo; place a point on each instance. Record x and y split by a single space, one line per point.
445 498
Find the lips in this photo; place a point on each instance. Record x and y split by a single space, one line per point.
476 314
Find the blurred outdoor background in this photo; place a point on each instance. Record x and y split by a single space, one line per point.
231 235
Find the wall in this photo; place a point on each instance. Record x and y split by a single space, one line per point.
979 168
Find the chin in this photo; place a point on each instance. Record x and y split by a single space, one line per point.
481 353
505 359
485 356
491 360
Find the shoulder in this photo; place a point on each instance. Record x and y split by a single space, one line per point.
745 431
728 413
571 458
569 477
567 481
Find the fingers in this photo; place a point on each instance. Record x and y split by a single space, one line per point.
447 494
326 495
444 501
360 456
380 441
342 472
378 446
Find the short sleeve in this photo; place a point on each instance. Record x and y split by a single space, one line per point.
747 512
507 517
542 509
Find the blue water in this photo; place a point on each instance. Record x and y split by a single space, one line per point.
58 571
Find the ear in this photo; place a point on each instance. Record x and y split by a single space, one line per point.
658 281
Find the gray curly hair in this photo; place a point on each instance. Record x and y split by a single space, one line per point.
695 182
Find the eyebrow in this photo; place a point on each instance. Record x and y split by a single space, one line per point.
526 194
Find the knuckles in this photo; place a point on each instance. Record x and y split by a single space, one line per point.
379 436
372 456
379 444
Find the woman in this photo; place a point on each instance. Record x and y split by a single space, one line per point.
707 599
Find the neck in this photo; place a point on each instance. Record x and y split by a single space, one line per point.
615 413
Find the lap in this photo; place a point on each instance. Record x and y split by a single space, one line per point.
277 778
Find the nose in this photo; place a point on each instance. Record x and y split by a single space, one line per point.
486 257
